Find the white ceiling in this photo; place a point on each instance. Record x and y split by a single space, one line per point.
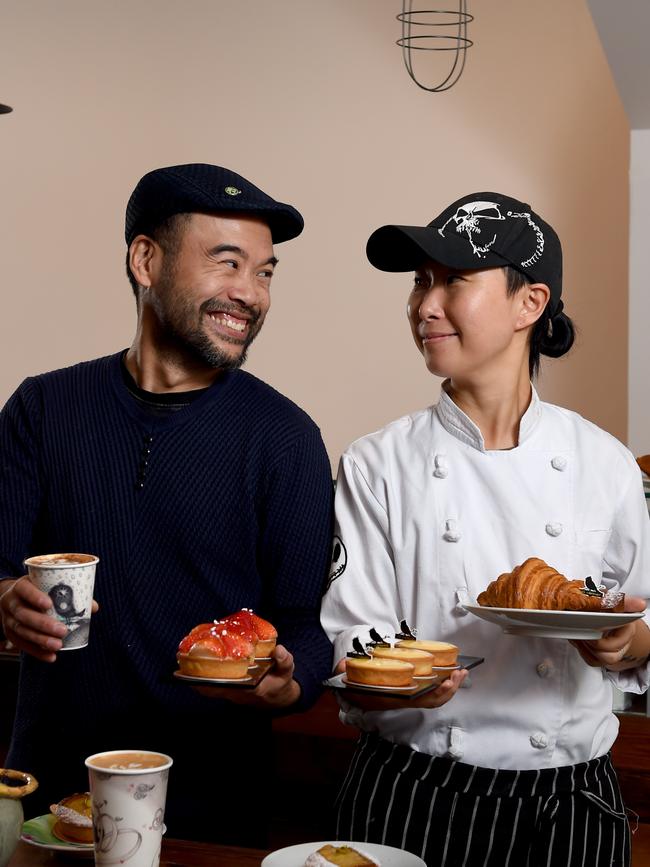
624 29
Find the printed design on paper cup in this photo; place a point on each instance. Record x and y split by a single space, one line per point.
62 596
74 616
157 821
142 790
107 834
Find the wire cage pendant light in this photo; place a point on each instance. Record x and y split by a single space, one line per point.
453 39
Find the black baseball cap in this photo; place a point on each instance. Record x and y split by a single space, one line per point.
203 188
480 230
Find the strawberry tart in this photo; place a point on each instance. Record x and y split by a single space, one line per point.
216 650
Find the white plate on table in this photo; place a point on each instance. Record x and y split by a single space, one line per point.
388 856
553 624
38 832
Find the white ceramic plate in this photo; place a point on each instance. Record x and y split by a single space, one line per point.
388 856
553 624
38 832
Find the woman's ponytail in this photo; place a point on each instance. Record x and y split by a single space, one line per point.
553 334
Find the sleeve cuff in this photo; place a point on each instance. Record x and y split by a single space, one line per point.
635 680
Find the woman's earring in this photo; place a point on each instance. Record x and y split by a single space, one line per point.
549 328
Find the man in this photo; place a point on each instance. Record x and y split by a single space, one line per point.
201 489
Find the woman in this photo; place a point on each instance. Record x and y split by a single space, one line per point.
514 769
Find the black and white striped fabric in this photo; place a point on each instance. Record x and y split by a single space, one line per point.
456 815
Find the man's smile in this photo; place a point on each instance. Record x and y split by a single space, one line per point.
235 323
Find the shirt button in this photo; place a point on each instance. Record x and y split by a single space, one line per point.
554 529
440 463
559 462
462 597
545 668
451 533
539 740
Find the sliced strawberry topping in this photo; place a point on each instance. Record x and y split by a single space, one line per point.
233 637
200 631
263 628
212 646
241 624
237 646
247 622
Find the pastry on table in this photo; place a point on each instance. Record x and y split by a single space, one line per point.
215 651
253 625
74 822
537 585
344 856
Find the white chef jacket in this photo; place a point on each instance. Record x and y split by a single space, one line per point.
427 517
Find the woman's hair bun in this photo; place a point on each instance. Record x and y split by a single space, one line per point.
558 336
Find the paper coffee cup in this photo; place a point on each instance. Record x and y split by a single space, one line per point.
127 791
68 579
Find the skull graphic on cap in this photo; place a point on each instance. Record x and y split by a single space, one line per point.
469 220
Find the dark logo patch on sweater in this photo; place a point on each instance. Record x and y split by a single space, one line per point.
339 561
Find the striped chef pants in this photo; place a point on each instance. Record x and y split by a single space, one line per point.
456 815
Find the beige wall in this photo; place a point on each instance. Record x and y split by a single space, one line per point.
310 100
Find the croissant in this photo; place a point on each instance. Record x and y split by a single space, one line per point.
535 584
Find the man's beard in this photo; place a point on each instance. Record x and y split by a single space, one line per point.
195 342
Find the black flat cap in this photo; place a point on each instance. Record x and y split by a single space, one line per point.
203 188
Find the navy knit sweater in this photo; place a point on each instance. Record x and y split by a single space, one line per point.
223 504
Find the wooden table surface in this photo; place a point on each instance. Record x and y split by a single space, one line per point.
175 853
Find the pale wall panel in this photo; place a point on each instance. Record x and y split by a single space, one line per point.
310 100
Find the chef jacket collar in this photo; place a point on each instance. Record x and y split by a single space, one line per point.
461 426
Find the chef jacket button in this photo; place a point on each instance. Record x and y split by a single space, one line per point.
451 533
545 668
462 598
440 464
539 740
559 462
554 529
